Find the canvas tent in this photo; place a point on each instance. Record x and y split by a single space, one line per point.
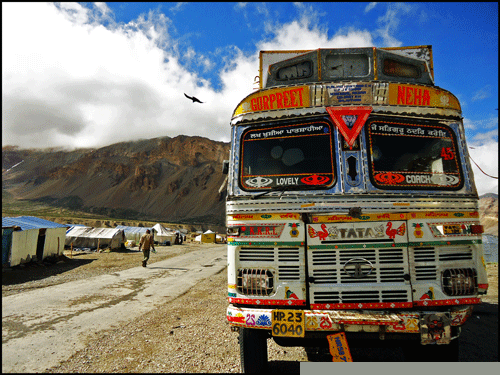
85 237
163 235
160 233
132 233
26 238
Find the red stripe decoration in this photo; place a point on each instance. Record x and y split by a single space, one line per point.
353 306
448 302
268 302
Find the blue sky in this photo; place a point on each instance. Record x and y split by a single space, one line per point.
92 74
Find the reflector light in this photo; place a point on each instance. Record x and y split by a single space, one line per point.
476 229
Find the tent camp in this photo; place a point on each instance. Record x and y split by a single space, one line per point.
160 233
132 234
92 238
163 235
27 238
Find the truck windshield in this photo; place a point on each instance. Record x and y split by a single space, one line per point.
413 156
298 155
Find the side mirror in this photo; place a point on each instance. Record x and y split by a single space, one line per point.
225 166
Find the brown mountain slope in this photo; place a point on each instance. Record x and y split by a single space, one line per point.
164 179
488 212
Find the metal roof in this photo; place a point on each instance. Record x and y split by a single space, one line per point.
29 222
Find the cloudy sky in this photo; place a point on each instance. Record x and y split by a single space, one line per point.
93 74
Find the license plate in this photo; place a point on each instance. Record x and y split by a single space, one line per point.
338 347
288 323
452 229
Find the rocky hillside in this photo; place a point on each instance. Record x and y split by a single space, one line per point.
163 179
488 211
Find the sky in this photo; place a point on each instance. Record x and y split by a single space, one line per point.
78 75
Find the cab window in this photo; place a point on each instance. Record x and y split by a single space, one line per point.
295 155
413 156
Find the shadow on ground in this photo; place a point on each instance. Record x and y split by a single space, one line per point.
33 271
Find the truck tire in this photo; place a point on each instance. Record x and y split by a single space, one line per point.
253 350
432 353
318 354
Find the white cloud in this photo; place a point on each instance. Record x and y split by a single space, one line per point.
370 6
389 23
73 77
86 85
485 154
482 93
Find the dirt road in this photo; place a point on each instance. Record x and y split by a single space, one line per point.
44 326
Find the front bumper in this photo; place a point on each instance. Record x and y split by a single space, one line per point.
433 326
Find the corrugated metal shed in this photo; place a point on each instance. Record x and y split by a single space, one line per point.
37 239
29 222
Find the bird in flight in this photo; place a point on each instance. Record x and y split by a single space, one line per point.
193 99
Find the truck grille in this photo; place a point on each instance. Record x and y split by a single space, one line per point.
328 266
383 296
332 283
257 254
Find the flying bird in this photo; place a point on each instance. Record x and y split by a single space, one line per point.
193 99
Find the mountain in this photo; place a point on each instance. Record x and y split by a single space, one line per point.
488 212
163 179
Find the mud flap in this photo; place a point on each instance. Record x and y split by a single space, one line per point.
338 347
435 328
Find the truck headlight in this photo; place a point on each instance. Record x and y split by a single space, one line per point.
233 231
459 281
253 281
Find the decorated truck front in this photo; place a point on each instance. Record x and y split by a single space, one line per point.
351 209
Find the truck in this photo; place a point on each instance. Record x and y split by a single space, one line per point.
351 208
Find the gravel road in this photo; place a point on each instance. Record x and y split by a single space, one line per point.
190 334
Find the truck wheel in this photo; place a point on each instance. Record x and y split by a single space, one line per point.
316 354
432 353
253 350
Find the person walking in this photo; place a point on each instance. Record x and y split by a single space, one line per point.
146 243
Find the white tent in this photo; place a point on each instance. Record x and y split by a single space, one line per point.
133 234
162 235
94 237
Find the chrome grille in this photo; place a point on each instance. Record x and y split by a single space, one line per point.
288 273
452 254
288 254
425 273
257 254
368 296
424 254
327 266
